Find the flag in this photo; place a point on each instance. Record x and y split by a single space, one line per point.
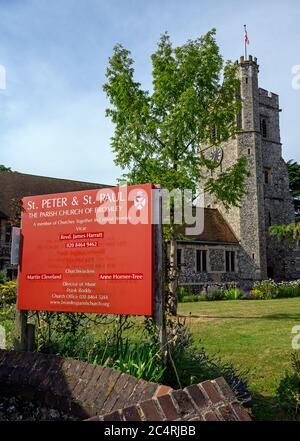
247 41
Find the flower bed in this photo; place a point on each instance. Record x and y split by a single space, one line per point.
263 290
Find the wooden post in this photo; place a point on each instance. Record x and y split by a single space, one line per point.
24 333
20 340
30 337
21 327
158 270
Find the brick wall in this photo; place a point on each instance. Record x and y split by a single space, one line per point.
208 401
94 392
79 388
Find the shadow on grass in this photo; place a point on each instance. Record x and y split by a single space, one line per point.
282 316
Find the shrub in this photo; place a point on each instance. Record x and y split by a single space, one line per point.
215 294
248 295
181 293
8 293
71 335
187 296
268 289
265 290
288 289
233 294
2 277
192 298
7 320
67 334
139 360
288 392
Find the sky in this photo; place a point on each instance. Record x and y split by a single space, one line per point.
55 53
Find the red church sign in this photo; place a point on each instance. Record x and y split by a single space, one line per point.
89 251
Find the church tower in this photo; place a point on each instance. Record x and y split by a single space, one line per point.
267 201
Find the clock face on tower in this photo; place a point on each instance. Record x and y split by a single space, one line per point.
216 155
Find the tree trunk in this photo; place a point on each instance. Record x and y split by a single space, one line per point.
173 276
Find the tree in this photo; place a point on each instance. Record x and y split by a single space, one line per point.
291 231
158 135
294 177
5 169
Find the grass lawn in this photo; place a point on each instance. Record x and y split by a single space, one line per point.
254 335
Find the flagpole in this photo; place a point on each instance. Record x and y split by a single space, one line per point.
245 41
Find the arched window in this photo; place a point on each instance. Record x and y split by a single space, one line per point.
264 127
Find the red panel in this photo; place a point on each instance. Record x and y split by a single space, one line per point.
74 261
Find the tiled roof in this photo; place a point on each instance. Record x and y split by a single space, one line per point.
216 229
14 186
